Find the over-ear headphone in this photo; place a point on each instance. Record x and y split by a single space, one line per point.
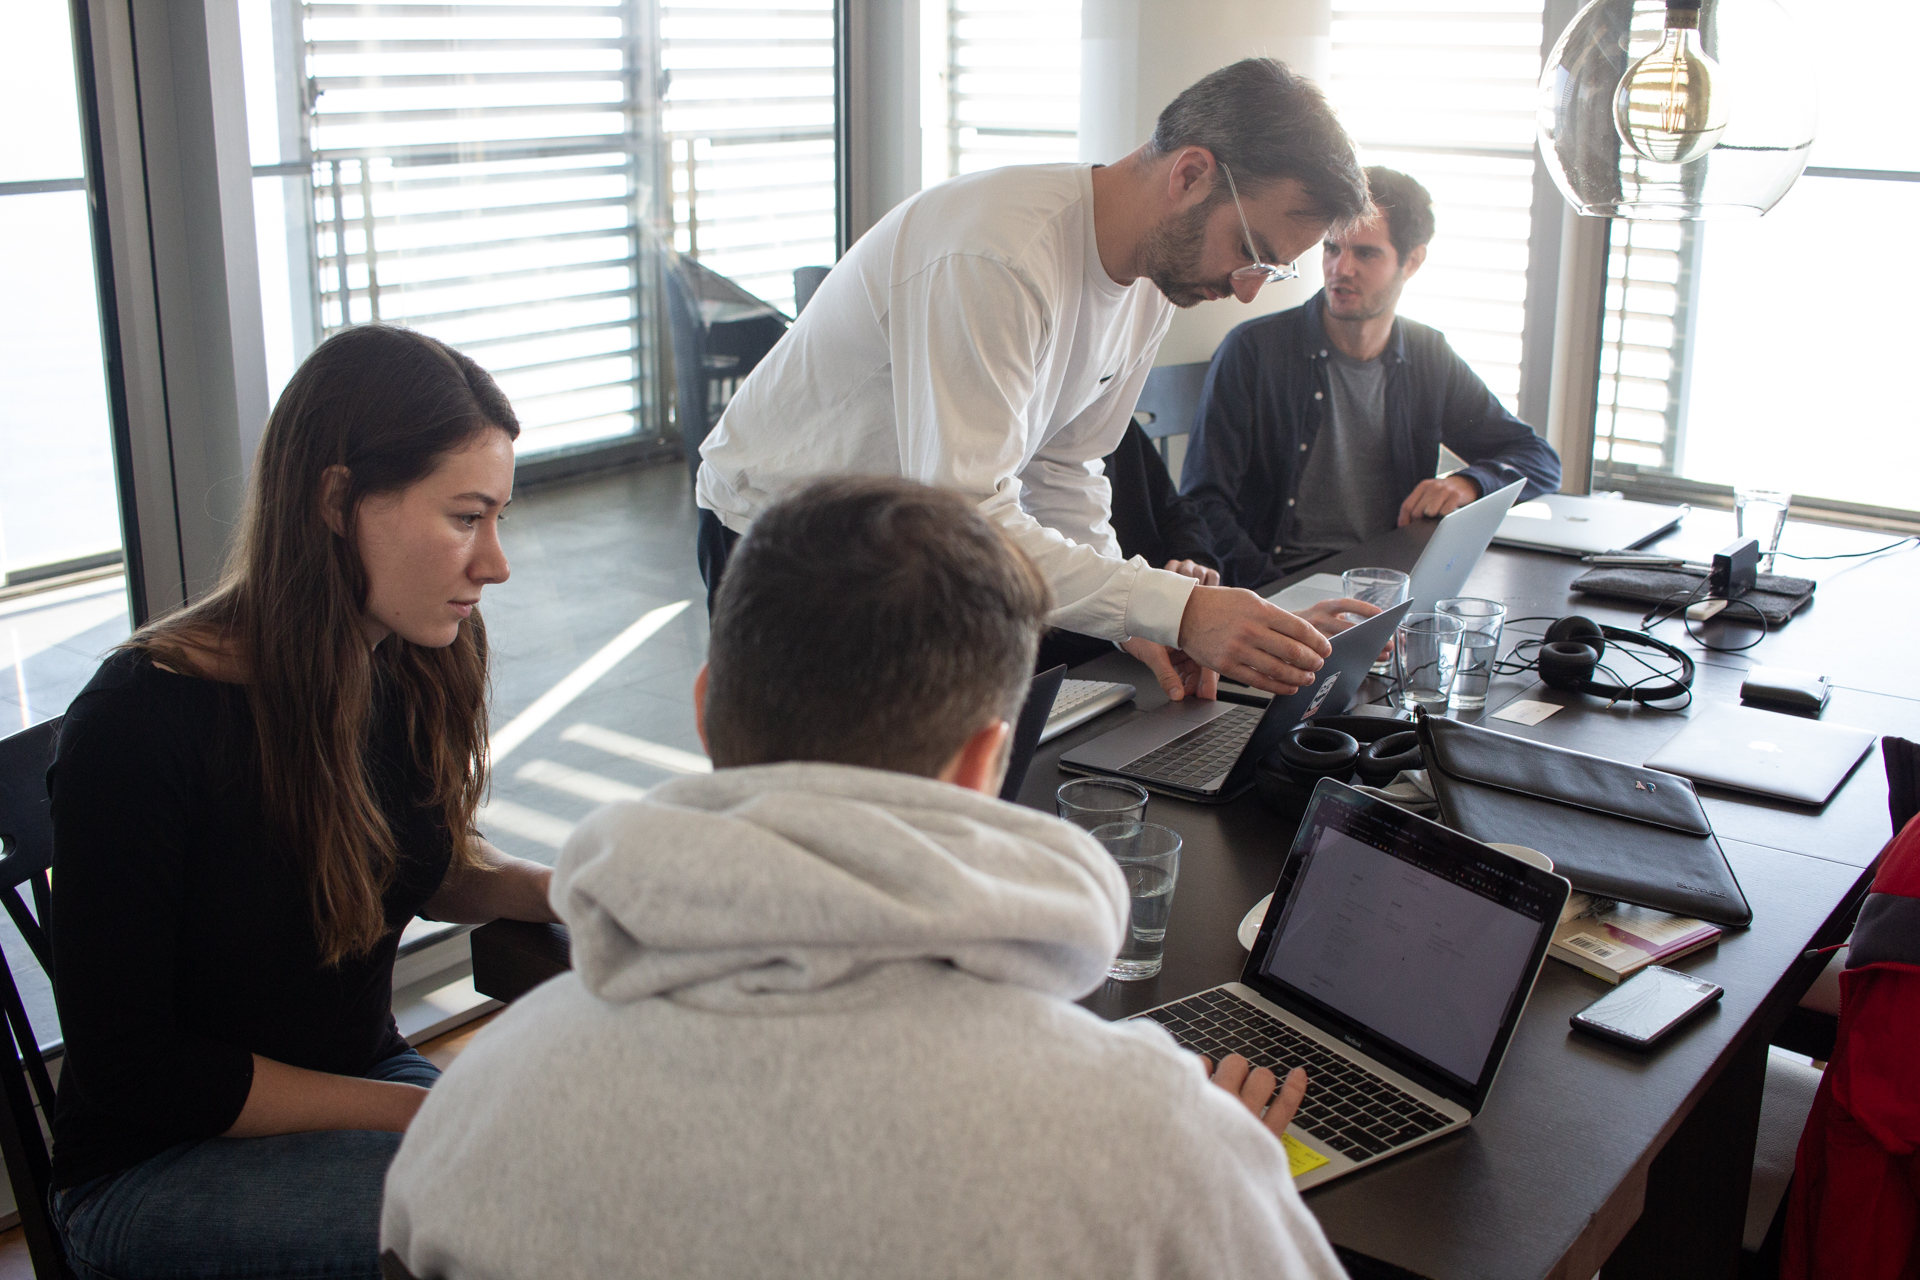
1574 647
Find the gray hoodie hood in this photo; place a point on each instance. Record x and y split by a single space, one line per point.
757 887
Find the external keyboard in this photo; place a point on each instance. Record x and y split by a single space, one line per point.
1347 1107
1080 701
1200 755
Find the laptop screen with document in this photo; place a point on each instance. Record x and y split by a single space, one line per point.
1423 939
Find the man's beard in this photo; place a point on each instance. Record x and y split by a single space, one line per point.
1171 252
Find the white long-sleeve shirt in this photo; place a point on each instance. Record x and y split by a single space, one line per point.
970 340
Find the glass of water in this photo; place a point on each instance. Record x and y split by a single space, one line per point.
1093 802
1149 857
1426 652
1479 647
1761 514
1382 588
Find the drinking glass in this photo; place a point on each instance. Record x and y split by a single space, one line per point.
1094 802
1761 514
1384 588
1426 650
1479 647
1149 857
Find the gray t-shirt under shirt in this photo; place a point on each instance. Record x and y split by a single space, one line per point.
1344 496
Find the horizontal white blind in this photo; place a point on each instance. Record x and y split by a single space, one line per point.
1635 414
1445 93
749 124
1013 83
481 174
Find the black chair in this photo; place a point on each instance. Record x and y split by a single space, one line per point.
1169 400
720 332
26 854
1903 780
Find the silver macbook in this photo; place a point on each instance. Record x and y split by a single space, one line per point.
1393 964
1764 752
1443 567
1200 749
1576 526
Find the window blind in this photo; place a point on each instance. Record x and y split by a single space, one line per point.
483 173
749 118
1013 83
1445 93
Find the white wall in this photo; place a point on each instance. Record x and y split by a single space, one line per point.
1137 55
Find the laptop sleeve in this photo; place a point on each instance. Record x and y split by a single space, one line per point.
1616 830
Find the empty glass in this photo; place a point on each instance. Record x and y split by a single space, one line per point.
1149 857
1093 802
1383 588
1479 647
1761 514
1426 651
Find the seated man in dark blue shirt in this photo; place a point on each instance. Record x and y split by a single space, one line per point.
1321 426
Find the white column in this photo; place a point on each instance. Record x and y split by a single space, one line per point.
883 107
1137 55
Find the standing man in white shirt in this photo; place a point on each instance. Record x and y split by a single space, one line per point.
991 335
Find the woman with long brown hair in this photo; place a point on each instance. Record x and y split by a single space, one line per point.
250 800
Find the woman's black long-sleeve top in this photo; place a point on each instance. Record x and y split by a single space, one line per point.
183 943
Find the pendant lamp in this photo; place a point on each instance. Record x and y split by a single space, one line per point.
1676 109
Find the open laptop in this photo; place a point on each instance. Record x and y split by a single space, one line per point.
1576 526
1393 964
1200 749
1034 713
1764 752
1443 567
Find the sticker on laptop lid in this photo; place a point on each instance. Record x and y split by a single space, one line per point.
1524 711
1301 1158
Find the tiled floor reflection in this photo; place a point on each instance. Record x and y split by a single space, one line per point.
591 559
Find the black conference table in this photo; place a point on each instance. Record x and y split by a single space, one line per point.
1586 1156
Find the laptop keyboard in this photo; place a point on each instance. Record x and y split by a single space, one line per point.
1200 755
1347 1107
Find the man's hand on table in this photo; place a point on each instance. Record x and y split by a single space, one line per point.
1432 498
1254 1086
1180 676
1236 633
1194 569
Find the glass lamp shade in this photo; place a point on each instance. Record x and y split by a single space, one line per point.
1761 90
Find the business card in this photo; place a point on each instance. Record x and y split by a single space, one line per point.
1525 711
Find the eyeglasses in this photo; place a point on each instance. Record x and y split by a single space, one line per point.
1256 273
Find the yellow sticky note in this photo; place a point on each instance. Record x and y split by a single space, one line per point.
1301 1158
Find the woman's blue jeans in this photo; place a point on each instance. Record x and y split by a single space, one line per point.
300 1206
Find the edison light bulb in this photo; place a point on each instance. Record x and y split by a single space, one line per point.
1666 108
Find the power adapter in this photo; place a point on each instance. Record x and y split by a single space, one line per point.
1735 571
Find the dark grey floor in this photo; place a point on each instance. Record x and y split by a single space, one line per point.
590 558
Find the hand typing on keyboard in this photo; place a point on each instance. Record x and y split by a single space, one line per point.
1254 1086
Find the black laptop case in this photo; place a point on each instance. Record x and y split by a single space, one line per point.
1620 831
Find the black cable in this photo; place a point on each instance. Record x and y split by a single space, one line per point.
1851 555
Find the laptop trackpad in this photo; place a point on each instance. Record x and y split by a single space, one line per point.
1144 733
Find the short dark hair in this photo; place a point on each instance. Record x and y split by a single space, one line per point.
1405 205
869 621
1266 123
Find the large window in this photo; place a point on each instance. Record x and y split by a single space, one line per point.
58 509
1447 96
505 176
1010 75
1771 351
750 130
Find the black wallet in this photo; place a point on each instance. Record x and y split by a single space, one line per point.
1616 830
1777 597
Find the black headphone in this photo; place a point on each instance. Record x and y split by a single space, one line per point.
1572 651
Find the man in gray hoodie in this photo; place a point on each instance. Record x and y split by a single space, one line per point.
820 1021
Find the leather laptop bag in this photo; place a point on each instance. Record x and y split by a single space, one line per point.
1616 830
